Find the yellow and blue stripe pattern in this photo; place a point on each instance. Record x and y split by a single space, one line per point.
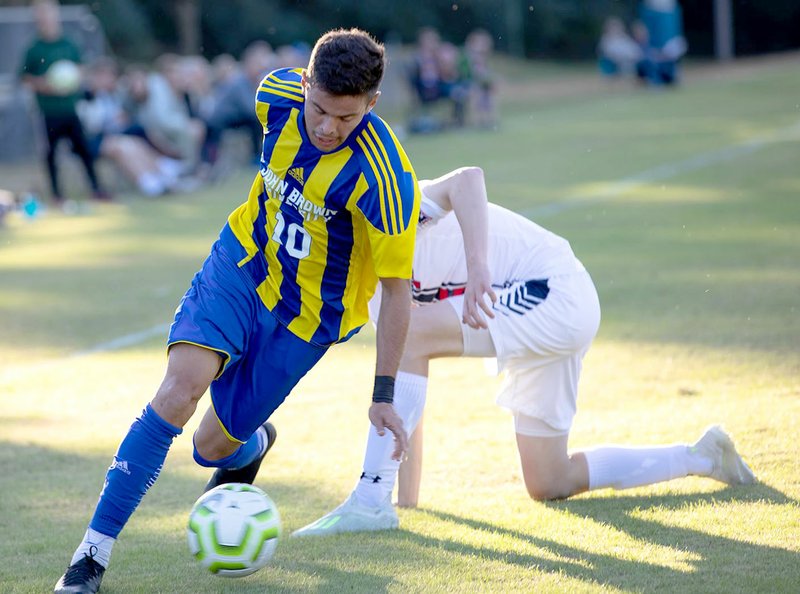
319 229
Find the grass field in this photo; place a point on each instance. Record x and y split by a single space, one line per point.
685 208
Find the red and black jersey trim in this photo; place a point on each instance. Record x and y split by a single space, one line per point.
434 294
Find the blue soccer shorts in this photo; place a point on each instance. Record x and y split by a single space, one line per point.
262 360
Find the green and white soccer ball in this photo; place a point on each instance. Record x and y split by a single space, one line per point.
64 77
233 529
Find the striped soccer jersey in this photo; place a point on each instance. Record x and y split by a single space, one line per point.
519 250
320 228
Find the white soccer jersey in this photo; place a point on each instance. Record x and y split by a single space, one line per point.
546 314
518 250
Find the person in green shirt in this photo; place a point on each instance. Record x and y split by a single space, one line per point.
57 96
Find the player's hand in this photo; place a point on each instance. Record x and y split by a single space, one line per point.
479 286
384 416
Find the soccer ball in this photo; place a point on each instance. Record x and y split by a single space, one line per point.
64 77
233 529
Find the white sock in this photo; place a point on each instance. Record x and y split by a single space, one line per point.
171 169
380 471
96 545
150 184
626 467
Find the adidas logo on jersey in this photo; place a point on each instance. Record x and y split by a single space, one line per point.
297 173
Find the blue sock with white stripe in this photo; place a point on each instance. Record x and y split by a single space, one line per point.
135 468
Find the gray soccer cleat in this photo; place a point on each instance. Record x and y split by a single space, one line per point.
351 516
729 467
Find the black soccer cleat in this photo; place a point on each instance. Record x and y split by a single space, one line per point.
82 577
245 474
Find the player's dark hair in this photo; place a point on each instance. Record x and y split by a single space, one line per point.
347 62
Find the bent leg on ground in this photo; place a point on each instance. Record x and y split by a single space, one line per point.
549 471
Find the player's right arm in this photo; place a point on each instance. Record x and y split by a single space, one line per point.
464 192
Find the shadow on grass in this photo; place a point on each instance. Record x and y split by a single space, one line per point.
720 564
47 497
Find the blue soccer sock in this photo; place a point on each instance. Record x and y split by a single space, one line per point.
244 454
135 468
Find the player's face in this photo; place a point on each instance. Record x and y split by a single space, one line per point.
330 119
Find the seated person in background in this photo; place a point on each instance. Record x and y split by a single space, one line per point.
424 73
618 53
105 121
491 283
454 84
424 78
666 43
233 102
197 85
161 116
478 50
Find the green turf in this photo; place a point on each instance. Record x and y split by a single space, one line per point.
699 278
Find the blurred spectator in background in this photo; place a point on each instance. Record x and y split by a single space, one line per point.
454 84
196 80
293 55
663 20
159 113
438 75
478 49
104 120
424 79
223 68
51 70
424 72
618 53
233 100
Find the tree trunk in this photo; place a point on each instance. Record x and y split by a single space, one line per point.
187 17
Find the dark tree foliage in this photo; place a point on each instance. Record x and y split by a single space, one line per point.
560 29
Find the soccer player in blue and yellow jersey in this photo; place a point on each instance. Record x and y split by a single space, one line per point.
332 211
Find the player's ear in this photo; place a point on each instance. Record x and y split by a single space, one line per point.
373 101
304 78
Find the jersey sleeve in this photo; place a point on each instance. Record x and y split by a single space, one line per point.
393 252
391 203
280 90
429 211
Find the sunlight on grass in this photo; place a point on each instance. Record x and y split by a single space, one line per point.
768 522
698 283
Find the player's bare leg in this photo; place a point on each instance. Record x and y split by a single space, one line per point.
409 476
138 462
434 331
548 470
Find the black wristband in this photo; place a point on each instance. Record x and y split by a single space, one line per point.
384 389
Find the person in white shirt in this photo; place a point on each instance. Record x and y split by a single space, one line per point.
491 283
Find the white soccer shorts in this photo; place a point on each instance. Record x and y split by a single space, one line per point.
540 345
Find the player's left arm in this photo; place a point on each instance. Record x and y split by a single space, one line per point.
464 192
390 207
393 319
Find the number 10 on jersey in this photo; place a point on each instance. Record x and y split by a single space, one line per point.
296 240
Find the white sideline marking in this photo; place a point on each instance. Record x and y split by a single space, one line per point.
659 173
121 342
127 340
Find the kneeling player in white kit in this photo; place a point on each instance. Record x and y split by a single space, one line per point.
541 314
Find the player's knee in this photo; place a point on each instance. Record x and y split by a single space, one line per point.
181 391
549 487
547 492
